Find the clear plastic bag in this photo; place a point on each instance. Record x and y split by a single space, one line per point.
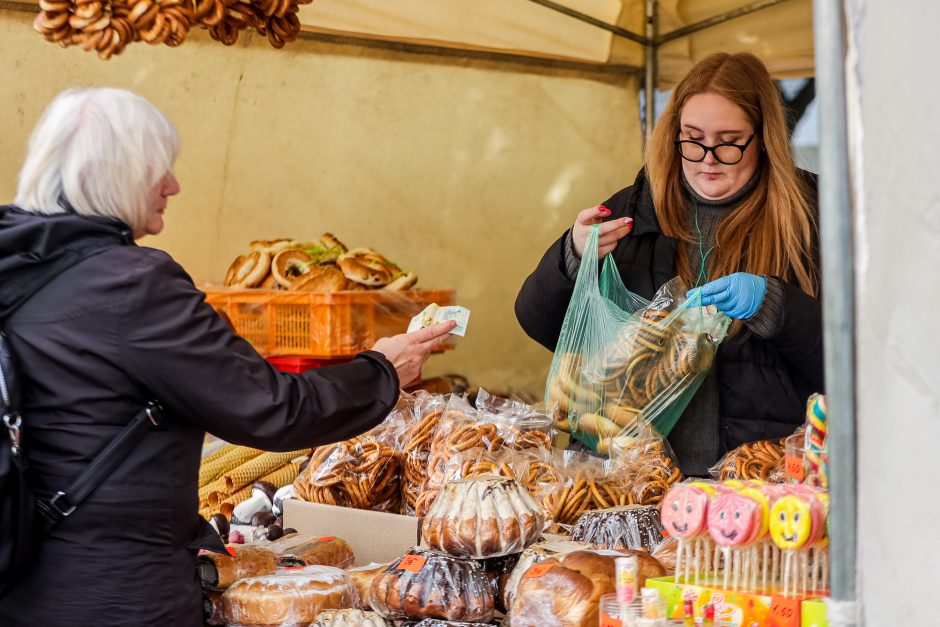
350 618
646 465
362 473
482 517
568 496
754 461
428 410
292 596
533 555
627 527
428 584
621 361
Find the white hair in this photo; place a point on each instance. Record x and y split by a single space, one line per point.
99 151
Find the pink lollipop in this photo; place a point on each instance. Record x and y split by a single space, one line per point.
733 520
684 511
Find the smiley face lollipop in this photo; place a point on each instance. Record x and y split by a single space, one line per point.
790 522
684 510
733 519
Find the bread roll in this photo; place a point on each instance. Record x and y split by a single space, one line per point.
288 598
218 572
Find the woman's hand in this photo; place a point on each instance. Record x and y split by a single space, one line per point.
610 232
409 351
737 295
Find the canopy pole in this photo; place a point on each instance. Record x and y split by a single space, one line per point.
838 256
587 19
718 19
650 49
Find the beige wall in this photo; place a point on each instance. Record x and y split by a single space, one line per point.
462 170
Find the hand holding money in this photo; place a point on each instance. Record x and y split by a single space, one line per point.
435 314
409 351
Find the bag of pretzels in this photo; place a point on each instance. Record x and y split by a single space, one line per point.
623 362
363 472
751 461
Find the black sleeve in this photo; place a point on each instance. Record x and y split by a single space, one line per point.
543 300
799 338
188 358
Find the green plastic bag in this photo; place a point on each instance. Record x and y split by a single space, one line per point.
624 364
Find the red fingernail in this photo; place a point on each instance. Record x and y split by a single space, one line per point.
604 209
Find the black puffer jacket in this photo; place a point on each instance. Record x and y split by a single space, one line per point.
763 383
96 339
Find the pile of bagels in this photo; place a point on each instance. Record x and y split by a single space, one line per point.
108 26
323 265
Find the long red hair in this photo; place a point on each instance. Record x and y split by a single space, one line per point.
771 232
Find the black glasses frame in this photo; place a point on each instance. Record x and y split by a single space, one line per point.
713 149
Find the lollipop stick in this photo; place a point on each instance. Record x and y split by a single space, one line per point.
825 569
698 564
815 569
679 553
786 574
775 554
805 560
726 552
763 567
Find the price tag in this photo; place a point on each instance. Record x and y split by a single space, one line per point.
231 550
785 611
538 570
609 621
325 539
292 568
412 563
795 468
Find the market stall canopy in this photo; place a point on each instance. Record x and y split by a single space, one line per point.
779 31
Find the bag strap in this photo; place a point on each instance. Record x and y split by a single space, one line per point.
64 503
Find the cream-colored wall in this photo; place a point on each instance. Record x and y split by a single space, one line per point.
463 170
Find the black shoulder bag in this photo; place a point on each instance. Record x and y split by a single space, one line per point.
24 518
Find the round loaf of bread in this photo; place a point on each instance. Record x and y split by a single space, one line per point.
290 597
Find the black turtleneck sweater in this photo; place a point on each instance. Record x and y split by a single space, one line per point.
695 438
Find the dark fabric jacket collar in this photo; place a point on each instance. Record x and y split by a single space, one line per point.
36 248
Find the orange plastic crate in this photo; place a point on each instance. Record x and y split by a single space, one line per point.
322 325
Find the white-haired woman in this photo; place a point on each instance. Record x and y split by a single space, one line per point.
101 326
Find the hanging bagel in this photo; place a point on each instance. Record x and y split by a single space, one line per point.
289 265
366 266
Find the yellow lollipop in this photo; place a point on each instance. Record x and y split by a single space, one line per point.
790 522
761 498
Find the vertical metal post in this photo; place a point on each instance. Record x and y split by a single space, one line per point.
838 257
650 50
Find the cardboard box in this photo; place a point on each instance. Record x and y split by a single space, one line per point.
733 609
373 536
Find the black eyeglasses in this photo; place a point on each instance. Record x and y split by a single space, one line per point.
725 153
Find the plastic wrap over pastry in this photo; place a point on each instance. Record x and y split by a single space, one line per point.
628 527
482 517
524 426
647 465
350 618
212 608
428 410
498 570
429 584
362 578
751 461
362 472
433 622
567 591
298 549
533 555
290 597
218 572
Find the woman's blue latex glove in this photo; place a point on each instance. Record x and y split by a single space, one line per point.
737 295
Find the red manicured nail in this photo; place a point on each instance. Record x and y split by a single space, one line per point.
604 209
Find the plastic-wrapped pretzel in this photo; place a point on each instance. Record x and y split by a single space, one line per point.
607 493
752 461
565 505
